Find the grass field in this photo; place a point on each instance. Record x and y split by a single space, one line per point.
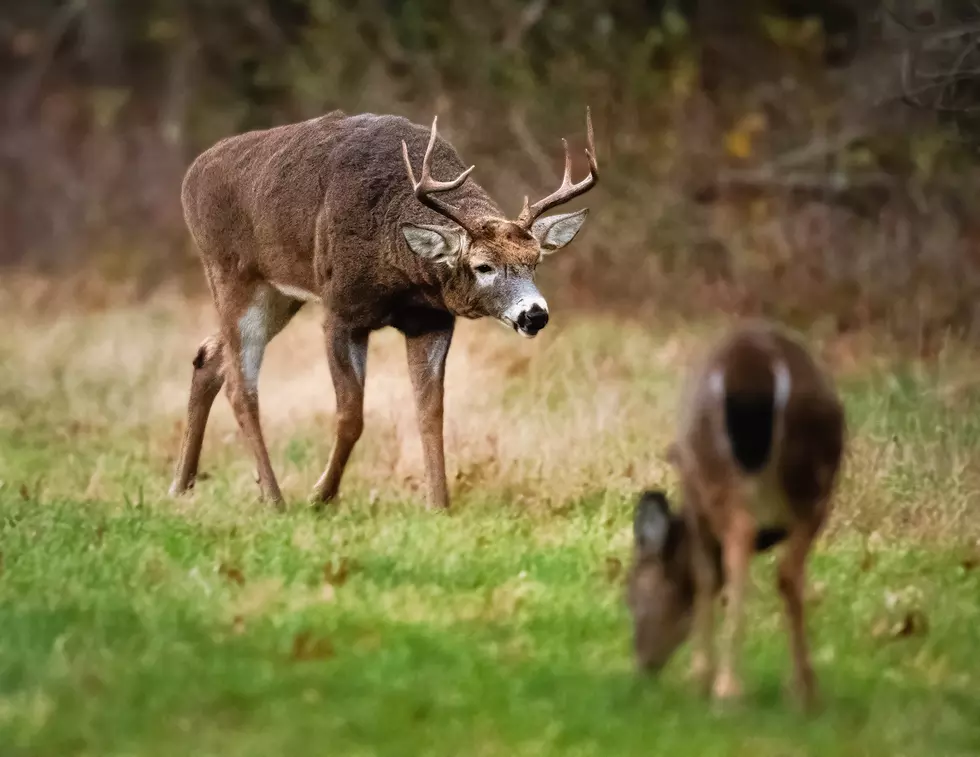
131 624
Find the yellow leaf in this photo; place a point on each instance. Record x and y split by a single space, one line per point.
753 122
738 143
684 79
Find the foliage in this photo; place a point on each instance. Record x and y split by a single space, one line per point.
745 147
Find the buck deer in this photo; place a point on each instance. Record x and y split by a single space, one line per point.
758 449
329 210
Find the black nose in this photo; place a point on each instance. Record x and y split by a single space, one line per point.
533 319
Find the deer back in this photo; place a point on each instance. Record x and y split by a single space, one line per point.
760 413
321 200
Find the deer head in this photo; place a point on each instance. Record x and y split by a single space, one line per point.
660 590
492 260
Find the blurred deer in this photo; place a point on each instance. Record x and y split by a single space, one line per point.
759 446
329 210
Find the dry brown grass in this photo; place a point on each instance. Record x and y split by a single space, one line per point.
583 412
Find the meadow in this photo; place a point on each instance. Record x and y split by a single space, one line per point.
134 624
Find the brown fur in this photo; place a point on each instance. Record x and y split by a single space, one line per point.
323 210
682 560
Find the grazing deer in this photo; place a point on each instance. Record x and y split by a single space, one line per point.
329 210
760 441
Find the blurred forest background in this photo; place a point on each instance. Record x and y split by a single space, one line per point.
813 160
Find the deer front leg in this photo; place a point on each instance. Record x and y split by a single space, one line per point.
737 549
703 654
347 357
427 367
792 582
704 571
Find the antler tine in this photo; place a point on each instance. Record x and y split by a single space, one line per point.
426 186
567 191
590 150
590 132
408 165
566 180
429 148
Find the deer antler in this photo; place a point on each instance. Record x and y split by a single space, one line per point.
567 191
426 186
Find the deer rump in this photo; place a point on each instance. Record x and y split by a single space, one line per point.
749 407
758 398
750 417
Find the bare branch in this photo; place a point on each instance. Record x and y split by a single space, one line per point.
930 89
57 29
533 12
820 148
531 147
834 182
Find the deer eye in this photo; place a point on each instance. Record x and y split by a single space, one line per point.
483 268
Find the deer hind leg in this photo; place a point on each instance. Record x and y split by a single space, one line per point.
247 330
792 583
206 382
737 548
427 366
347 357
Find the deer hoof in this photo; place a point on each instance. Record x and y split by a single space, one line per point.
273 498
806 695
177 490
701 674
727 687
319 501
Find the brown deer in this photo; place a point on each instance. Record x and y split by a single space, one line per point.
758 450
329 210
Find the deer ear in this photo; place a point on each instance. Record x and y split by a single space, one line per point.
440 244
651 523
554 232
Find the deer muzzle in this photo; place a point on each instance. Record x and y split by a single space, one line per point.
528 316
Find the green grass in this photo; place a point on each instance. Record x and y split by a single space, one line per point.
133 625
489 632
